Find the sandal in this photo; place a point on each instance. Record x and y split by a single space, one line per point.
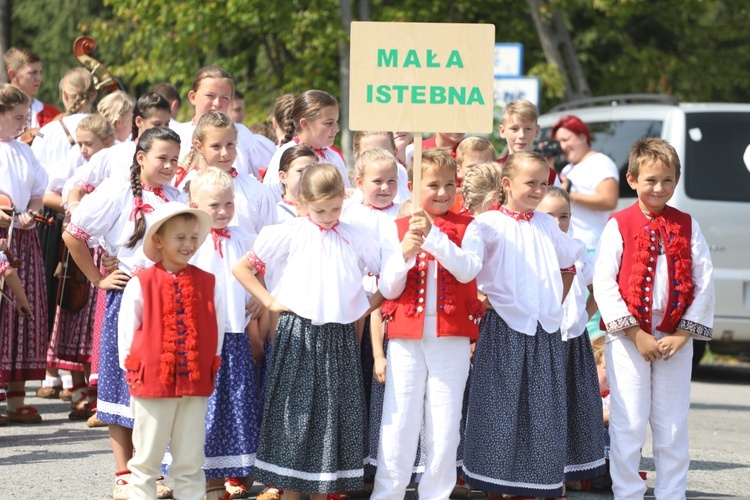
122 489
82 412
3 419
93 421
25 415
461 491
66 395
236 488
162 490
49 392
270 493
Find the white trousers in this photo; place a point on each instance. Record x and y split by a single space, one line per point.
156 421
424 379
655 393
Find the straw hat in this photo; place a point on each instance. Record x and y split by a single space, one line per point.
165 212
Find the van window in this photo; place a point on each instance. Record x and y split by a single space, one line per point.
714 146
614 140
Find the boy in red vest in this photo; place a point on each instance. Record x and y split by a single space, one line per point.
171 329
432 316
654 287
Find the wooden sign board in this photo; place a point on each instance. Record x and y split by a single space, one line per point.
421 77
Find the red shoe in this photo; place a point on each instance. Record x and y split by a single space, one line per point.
235 488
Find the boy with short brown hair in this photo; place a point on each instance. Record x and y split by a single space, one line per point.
653 282
24 68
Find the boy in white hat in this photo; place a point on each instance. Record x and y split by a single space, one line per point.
170 331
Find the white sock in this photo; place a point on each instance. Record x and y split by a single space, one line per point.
51 381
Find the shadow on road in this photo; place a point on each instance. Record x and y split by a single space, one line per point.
704 406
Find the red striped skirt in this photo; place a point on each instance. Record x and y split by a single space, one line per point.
23 341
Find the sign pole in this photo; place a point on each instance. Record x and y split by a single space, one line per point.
416 174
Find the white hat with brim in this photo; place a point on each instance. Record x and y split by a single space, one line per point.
165 212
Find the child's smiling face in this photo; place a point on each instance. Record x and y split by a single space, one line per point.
655 186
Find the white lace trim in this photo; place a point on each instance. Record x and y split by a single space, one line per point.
588 466
225 462
114 409
230 461
530 486
310 476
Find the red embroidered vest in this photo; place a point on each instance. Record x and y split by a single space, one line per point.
640 236
458 308
191 367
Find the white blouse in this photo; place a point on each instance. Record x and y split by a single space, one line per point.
271 179
21 175
285 211
65 169
234 295
106 213
111 162
575 316
607 292
131 318
322 276
52 145
521 271
382 226
254 205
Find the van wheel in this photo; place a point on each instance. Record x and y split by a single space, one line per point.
699 349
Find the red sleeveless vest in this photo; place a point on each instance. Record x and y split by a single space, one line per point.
181 307
640 236
458 308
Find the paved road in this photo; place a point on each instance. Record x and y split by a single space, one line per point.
65 460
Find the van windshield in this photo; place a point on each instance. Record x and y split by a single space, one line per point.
714 147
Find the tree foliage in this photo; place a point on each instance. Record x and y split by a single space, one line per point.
694 49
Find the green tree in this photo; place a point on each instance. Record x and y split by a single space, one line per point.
49 28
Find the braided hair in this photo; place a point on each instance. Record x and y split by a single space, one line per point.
145 143
78 84
307 105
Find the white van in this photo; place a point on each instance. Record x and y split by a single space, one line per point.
713 142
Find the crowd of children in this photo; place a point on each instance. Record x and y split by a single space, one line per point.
250 309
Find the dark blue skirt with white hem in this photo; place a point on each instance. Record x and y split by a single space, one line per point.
311 437
586 432
113 405
515 438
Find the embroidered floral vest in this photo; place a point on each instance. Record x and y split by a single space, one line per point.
174 352
641 237
458 308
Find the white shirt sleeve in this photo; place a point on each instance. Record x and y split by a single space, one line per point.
612 306
463 262
699 316
220 320
393 275
130 319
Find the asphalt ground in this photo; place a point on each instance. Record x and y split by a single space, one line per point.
65 460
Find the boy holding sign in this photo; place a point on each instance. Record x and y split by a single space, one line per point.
432 316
